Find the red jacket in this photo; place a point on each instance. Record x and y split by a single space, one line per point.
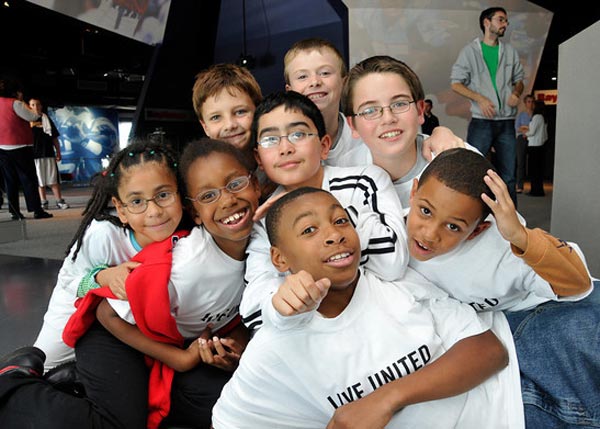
14 130
148 295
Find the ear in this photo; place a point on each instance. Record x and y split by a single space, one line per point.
120 210
195 215
482 226
279 260
421 110
257 158
350 121
204 127
413 189
325 146
288 87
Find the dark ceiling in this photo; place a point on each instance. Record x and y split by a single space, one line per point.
66 61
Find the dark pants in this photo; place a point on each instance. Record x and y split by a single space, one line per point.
115 377
18 167
485 134
536 169
521 160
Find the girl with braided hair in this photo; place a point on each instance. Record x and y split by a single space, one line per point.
136 201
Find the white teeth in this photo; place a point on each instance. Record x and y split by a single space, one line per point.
338 257
233 217
422 245
315 96
390 134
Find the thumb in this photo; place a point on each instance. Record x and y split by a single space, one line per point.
323 284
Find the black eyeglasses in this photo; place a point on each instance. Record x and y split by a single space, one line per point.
236 185
375 112
140 205
268 142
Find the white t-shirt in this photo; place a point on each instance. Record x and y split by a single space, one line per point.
205 286
484 273
103 243
367 194
296 378
347 151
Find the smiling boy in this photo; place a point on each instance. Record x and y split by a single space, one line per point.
541 282
315 67
375 354
291 145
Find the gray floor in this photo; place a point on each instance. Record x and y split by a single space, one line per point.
28 267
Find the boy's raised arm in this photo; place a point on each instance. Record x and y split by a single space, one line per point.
556 261
464 366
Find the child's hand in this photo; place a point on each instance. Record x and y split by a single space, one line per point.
369 412
441 139
115 277
264 208
300 293
186 359
504 211
223 353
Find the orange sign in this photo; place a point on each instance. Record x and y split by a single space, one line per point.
549 96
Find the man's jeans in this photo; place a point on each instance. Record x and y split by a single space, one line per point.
558 347
485 134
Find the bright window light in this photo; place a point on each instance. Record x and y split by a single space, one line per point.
124 129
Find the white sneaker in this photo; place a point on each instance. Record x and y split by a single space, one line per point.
45 204
61 204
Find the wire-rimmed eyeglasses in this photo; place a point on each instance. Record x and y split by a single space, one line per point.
234 186
375 112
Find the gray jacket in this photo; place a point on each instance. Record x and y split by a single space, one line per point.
470 70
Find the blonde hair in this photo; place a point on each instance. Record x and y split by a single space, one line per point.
311 44
213 80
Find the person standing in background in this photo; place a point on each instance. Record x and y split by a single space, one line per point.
521 127
431 121
537 135
489 73
16 151
46 153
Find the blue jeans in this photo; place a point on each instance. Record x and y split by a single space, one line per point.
485 134
558 347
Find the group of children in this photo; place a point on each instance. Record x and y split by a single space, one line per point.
374 292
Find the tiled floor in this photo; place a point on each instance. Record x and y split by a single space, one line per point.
28 268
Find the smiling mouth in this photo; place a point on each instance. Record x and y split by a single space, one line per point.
317 95
391 134
339 257
235 218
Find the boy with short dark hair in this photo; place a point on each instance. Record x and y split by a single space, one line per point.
291 144
499 264
377 353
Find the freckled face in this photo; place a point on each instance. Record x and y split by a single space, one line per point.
228 116
317 74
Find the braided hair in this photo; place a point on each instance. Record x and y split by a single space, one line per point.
106 183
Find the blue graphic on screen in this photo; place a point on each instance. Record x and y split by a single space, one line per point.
88 136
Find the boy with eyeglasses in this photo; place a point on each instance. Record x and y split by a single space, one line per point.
291 144
314 67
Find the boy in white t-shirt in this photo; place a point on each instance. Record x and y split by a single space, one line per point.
496 263
376 354
315 67
291 145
